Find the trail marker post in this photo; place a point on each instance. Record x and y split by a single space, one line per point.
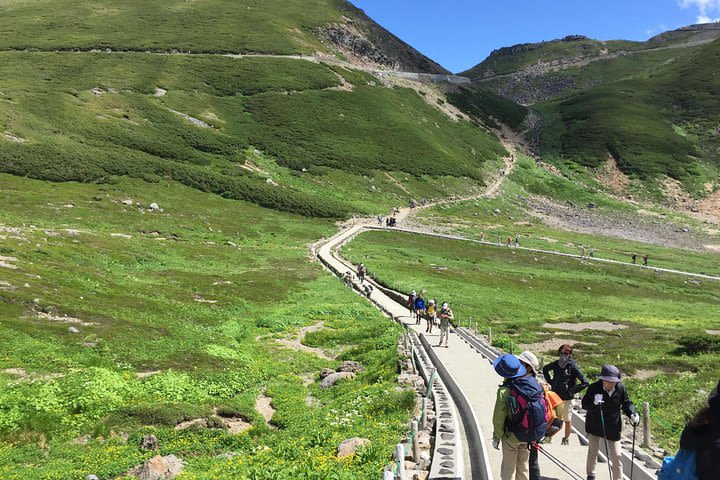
415 442
423 415
646 424
400 456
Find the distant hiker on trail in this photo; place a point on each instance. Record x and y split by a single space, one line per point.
554 411
419 308
380 219
411 302
702 437
361 272
348 278
566 379
424 201
445 315
430 312
604 402
517 240
645 259
387 222
519 418
634 258
509 241
582 251
592 253
367 289
482 236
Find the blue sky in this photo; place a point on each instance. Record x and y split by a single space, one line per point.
461 33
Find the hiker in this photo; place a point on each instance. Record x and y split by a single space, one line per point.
554 411
566 379
446 315
645 259
592 253
604 402
348 278
419 308
367 289
509 241
482 237
411 302
634 258
361 272
380 219
430 316
702 435
519 418
517 240
582 251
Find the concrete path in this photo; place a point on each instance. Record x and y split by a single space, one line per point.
471 371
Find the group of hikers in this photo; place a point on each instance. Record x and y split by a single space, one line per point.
530 410
442 316
644 259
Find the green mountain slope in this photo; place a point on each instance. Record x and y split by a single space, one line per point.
206 120
661 123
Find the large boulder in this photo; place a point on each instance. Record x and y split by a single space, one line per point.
351 366
348 447
332 379
325 372
159 468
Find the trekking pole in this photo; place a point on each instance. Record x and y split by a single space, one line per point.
607 450
632 455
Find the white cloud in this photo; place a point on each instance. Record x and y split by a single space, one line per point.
707 9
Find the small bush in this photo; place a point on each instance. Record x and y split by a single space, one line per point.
698 344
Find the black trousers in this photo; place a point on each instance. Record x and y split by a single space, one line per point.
534 465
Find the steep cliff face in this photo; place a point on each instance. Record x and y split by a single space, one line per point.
361 40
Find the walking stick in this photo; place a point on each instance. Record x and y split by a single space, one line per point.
607 450
632 456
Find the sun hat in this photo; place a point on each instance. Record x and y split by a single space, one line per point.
610 373
432 301
445 305
508 366
530 359
414 293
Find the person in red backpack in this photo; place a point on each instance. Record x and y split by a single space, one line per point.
519 418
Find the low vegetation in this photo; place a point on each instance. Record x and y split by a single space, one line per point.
521 295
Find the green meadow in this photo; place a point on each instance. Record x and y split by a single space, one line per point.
521 295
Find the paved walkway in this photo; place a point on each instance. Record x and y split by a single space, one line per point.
473 374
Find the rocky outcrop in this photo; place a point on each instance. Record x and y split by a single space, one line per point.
332 379
159 468
348 447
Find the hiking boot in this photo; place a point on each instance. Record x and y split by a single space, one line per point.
591 477
565 441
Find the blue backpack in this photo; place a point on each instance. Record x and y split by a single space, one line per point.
679 467
528 412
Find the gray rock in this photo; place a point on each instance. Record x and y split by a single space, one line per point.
91 477
149 442
332 379
73 330
127 202
351 366
159 468
347 448
325 372
154 206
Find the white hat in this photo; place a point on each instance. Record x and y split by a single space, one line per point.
414 293
530 359
445 305
432 301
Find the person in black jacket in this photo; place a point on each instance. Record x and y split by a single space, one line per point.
565 379
605 401
702 434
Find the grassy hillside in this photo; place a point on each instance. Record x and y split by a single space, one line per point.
521 294
655 124
94 116
485 105
177 314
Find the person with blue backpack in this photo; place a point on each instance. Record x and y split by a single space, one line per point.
520 416
699 455
605 401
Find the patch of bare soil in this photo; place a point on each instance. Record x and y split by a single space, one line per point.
236 425
551 345
146 374
8 262
712 332
64 319
645 374
613 178
264 407
248 165
296 343
578 327
628 226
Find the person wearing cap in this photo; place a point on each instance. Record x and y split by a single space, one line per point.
702 434
605 401
446 315
515 454
566 379
430 315
553 401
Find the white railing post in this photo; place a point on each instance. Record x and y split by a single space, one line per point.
415 443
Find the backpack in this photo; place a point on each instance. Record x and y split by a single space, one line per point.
528 410
552 400
679 467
